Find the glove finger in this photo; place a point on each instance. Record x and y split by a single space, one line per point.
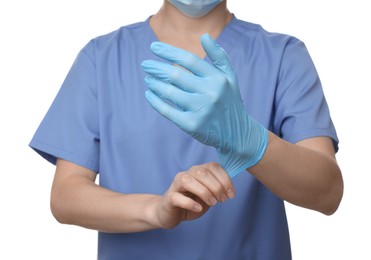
183 58
183 100
216 54
166 110
173 75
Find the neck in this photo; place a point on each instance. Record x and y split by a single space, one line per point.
173 27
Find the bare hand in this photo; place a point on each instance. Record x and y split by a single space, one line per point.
192 193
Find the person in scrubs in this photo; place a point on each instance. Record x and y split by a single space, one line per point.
181 137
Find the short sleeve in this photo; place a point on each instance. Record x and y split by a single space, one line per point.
301 108
70 129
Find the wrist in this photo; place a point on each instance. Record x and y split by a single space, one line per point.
258 142
249 151
151 212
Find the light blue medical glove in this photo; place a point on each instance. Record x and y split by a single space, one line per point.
204 100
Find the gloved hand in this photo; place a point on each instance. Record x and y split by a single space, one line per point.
204 100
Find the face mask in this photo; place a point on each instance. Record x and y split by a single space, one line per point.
195 8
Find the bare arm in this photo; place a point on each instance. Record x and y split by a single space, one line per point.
77 200
305 174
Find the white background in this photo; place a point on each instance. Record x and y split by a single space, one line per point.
40 40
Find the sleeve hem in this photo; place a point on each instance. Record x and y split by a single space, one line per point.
310 133
51 153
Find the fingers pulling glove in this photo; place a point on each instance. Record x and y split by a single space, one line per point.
204 100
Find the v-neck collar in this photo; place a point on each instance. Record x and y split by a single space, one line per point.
153 37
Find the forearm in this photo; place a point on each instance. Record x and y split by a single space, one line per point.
77 200
300 175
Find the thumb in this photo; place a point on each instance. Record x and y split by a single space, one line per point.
216 54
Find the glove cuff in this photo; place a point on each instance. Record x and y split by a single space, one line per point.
236 163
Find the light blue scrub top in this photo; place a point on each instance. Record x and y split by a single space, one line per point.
101 120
